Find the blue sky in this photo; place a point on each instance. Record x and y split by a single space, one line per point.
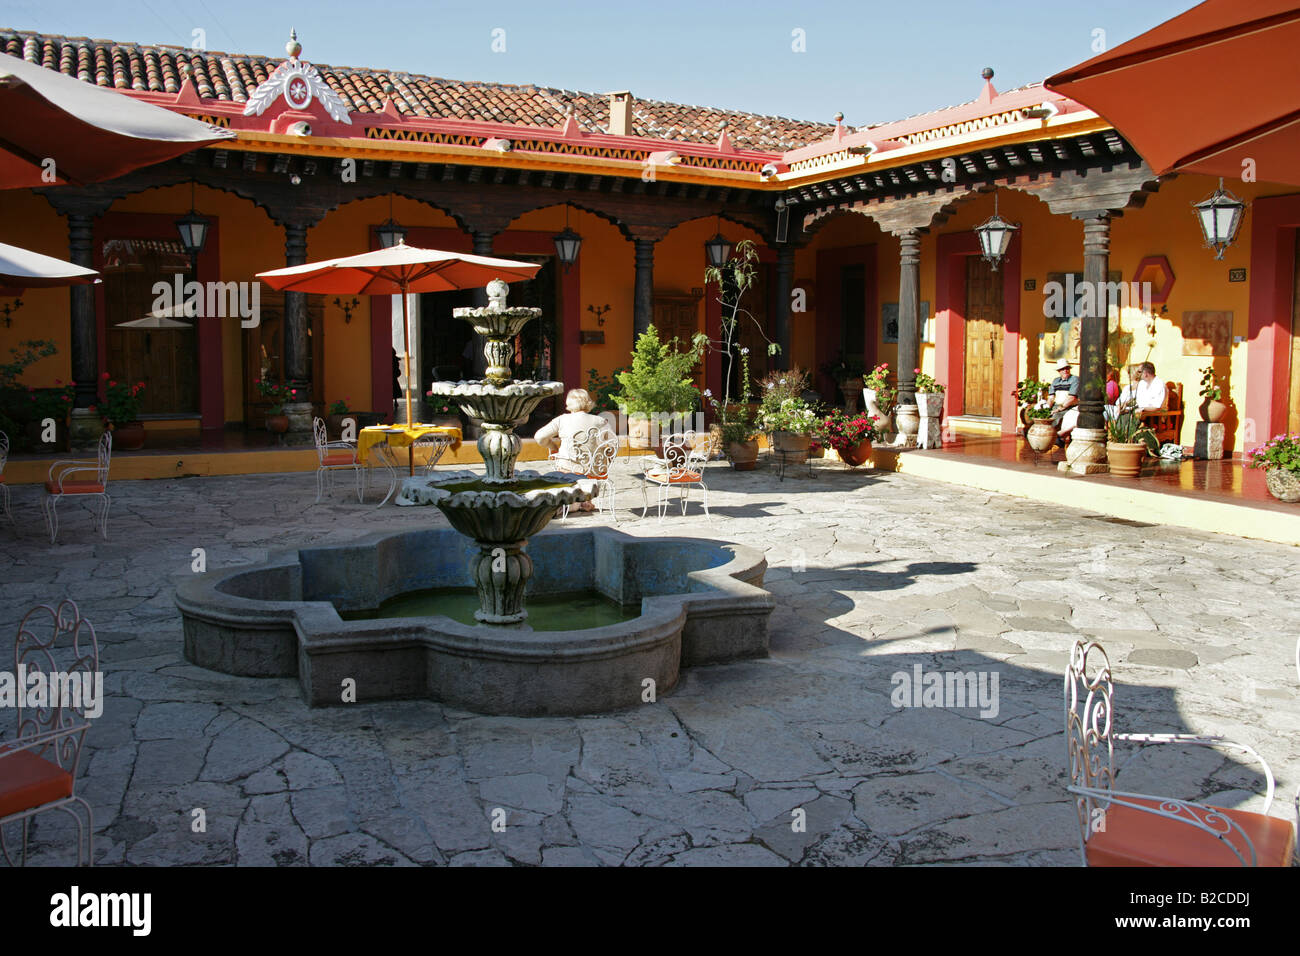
874 61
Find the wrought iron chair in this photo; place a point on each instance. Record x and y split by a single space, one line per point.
38 768
1118 828
435 445
594 454
4 489
682 466
336 456
59 485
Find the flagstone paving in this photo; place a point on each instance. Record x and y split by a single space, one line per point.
874 573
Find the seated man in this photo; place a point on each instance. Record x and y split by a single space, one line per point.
1064 393
1150 392
562 434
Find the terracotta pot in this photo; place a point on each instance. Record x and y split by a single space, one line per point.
859 454
1282 484
1124 458
790 443
128 437
1040 435
1213 410
277 424
743 454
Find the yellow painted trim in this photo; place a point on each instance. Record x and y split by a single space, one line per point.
966 426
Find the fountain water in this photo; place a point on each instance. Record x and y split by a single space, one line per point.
502 509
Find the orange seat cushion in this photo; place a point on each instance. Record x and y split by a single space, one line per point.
1137 838
685 477
2 479
28 781
339 458
75 488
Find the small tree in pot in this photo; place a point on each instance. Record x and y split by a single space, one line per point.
1128 441
660 384
1213 408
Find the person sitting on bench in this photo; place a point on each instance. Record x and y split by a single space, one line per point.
1064 392
1150 392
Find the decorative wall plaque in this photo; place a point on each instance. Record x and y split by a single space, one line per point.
1207 333
591 336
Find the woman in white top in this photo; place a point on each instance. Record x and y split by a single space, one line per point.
565 431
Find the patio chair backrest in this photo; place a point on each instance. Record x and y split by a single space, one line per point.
594 450
104 457
321 435
4 451
60 644
1089 725
684 452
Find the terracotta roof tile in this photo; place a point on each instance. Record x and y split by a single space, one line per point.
232 77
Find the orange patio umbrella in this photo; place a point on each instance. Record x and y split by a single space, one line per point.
398 270
1213 91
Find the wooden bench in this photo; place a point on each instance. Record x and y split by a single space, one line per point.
1167 422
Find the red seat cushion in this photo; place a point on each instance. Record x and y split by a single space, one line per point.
75 488
2 479
28 781
339 458
1137 838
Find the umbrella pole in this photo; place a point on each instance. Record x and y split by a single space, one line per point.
406 348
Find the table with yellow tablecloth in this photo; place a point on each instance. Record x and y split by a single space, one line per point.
402 436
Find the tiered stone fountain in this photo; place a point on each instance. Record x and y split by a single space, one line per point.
502 509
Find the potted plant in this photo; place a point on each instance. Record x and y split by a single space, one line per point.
120 411
734 426
848 375
850 434
337 415
1213 408
1280 459
1030 393
880 396
276 395
50 405
1128 441
929 395
660 383
786 416
1041 433
441 411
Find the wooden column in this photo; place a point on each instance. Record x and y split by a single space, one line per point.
297 343
1092 337
784 283
643 297
909 314
84 331
482 247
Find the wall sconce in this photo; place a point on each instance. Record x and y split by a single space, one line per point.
9 310
347 307
598 313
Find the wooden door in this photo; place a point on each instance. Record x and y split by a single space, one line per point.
678 316
1293 402
264 354
984 335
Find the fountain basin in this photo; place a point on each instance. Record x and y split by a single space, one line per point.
701 602
489 402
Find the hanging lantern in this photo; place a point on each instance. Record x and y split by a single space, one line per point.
1220 217
995 236
718 249
567 243
390 234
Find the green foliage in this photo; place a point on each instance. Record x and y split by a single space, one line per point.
53 403
1280 451
662 377
275 393
1043 414
1210 388
604 390
792 415
842 431
736 422
878 381
121 404
928 384
1126 428
733 279
28 352
776 388
1031 389
338 407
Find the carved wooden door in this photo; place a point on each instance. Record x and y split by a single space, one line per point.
984 334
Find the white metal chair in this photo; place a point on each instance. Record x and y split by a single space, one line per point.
1118 828
38 767
336 456
682 466
60 484
594 453
4 489
435 445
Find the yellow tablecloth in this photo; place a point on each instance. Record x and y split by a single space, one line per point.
401 436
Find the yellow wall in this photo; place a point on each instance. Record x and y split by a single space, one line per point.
29 221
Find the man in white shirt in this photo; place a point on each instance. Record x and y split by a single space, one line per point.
1150 392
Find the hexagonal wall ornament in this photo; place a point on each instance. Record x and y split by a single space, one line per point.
1155 270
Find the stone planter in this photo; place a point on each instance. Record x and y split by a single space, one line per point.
743 454
859 454
1125 458
1282 484
850 388
908 418
1040 435
930 404
1213 410
128 437
277 424
790 443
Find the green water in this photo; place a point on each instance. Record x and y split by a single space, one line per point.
519 487
550 612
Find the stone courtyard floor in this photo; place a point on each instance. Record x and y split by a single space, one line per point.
874 573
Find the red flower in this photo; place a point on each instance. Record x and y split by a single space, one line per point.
105 375
58 381
112 384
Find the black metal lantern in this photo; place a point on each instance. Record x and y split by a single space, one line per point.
193 229
995 236
567 243
390 234
718 249
1220 217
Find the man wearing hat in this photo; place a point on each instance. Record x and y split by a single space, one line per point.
1065 398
